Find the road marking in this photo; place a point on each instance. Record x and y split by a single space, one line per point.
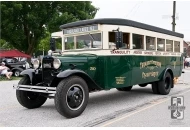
9 107
121 118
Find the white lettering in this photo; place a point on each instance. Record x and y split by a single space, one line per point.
81 29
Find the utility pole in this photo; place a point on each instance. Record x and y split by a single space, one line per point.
173 17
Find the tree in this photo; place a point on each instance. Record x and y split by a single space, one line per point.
5 45
71 11
44 43
25 24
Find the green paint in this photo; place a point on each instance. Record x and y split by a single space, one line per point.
122 71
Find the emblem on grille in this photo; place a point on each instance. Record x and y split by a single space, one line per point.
47 65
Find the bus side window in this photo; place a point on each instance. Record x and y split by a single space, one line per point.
169 45
176 46
160 44
125 41
150 43
112 40
138 41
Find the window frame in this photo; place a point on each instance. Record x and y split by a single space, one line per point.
80 34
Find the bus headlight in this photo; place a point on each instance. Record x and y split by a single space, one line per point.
56 63
36 64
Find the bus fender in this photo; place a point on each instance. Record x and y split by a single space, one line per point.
90 82
167 70
28 72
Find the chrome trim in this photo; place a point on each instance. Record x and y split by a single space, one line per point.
40 89
52 95
34 64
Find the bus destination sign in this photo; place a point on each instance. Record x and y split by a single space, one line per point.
80 29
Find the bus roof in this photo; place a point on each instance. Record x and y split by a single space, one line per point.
118 21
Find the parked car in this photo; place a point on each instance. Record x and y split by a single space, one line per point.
15 65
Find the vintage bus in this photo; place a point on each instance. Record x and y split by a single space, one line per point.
101 54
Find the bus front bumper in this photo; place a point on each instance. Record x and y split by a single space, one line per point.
40 89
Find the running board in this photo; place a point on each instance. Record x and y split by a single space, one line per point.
40 89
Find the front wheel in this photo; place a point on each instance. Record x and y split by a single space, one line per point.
29 99
17 73
71 96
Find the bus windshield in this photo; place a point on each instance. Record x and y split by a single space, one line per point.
84 41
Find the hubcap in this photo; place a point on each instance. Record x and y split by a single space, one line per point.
75 97
17 73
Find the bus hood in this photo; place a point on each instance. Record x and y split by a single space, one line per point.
81 61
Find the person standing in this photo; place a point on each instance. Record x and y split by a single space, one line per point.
187 60
4 70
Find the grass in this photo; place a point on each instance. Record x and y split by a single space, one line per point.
3 78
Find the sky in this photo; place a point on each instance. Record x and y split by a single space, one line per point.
156 13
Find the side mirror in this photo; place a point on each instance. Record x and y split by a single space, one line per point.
52 44
119 39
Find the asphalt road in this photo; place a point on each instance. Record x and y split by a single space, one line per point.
155 114
139 107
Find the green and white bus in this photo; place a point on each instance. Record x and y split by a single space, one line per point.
101 54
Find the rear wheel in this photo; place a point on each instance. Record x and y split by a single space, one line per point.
29 99
155 88
125 88
71 96
143 85
166 84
